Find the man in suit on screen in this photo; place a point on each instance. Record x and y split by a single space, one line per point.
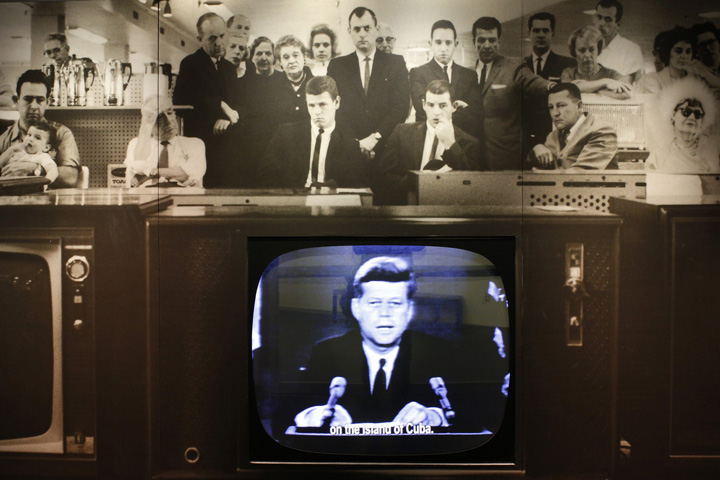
373 86
385 372
443 41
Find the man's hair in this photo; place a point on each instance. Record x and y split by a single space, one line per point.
289 41
203 18
318 85
542 16
256 43
384 269
671 38
34 76
359 12
612 3
486 23
591 34
52 133
700 28
444 24
571 88
439 87
231 20
60 37
323 29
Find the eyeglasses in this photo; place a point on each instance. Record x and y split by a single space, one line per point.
686 112
385 39
54 51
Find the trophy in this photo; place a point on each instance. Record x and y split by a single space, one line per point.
49 70
79 77
115 79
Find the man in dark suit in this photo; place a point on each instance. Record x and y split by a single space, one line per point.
579 141
205 81
547 64
387 369
373 85
502 84
434 144
314 151
443 41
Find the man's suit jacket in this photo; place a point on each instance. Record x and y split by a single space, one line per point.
386 103
403 153
463 79
201 85
554 65
506 83
287 158
473 390
536 119
593 147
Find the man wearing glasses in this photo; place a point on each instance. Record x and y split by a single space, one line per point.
55 48
385 41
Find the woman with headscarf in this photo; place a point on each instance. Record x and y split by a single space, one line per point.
684 139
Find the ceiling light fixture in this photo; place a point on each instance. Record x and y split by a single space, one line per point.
155 5
167 11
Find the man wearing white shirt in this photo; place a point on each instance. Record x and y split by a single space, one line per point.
434 144
314 152
158 156
443 42
373 86
579 141
618 53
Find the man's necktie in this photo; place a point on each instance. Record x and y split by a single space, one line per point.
483 74
316 157
538 68
564 134
163 162
380 384
445 73
432 162
366 78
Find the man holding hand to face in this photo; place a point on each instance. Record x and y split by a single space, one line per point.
434 144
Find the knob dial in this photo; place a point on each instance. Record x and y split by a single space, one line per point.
77 268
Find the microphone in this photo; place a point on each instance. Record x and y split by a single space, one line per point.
438 386
337 390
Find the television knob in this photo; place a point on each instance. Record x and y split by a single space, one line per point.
77 268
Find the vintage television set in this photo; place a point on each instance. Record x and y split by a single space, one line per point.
47 345
229 341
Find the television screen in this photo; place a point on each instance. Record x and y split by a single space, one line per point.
382 349
30 347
